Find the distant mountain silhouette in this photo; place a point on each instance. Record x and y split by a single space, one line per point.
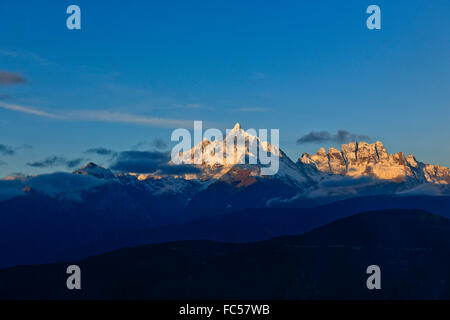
410 246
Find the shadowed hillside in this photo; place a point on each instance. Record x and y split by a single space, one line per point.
410 246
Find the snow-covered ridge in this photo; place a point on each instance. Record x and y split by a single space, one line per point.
310 175
358 159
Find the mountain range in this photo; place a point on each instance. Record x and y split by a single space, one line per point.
56 216
358 167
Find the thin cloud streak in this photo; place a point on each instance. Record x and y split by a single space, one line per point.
250 109
101 116
117 117
29 110
27 55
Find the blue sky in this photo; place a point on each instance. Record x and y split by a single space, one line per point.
137 70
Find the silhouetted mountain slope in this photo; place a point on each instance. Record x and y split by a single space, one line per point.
410 246
66 231
265 223
222 197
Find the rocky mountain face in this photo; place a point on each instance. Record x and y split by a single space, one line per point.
358 159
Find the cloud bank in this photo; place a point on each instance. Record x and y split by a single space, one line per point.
149 162
50 184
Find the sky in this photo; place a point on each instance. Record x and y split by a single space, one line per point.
138 70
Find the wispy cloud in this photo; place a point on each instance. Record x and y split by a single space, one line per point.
55 161
73 163
9 78
101 116
6 150
342 136
149 162
251 109
10 151
159 144
118 117
260 75
5 96
194 106
100 151
26 55
24 147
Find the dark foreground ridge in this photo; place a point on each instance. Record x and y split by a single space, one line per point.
70 232
410 246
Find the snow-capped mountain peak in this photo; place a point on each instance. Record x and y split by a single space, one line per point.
236 127
241 150
237 143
